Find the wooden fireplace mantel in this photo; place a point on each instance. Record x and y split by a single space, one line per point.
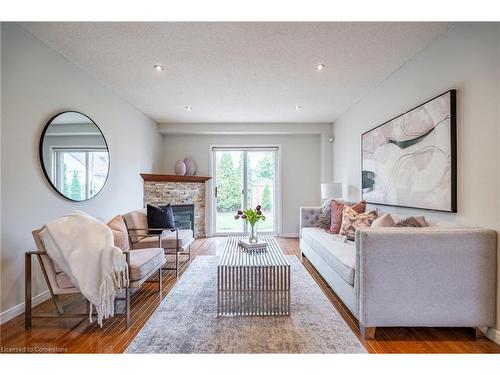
173 178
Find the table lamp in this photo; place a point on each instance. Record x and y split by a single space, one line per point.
331 190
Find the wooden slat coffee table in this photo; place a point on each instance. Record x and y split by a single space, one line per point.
253 282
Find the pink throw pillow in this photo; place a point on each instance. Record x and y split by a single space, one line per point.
120 232
337 210
386 220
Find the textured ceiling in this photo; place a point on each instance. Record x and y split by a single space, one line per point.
239 72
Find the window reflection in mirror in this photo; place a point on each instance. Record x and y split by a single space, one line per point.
75 156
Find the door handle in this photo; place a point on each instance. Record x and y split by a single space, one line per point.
216 192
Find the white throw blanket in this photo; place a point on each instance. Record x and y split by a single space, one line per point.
84 248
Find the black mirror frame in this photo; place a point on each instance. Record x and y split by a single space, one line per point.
40 155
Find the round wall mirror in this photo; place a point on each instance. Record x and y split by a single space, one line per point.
74 156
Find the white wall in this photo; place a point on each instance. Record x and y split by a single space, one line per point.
324 130
36 84
466 57
301 160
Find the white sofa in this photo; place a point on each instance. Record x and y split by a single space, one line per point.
438 276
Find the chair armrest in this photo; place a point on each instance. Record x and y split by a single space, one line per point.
426 276
167 229
130 235
136 229
148 229
36 252
159 235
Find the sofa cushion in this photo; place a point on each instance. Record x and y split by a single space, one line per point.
136 220
167 240
63 281
57 267
338 254
143 261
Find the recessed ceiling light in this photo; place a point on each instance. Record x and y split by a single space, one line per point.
297 107
320 67
159 68
188 108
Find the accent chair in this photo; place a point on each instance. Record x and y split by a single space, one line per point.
142 264
174 241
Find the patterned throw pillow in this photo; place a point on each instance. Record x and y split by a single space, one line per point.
352 220
324 217
412 222
421 220
337 209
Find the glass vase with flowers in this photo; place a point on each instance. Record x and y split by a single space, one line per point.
252 217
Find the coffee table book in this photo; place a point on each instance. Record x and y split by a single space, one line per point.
261 245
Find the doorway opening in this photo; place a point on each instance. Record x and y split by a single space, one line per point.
245 177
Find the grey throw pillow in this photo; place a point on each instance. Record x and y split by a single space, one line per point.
412 222
325 216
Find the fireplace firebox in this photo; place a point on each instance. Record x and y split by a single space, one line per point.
183 216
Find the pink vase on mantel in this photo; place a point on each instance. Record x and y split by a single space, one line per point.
190 167
180 168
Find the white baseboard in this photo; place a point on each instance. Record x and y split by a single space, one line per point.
11 313
289 235
493 334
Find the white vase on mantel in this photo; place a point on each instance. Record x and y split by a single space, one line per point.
190 167
180 168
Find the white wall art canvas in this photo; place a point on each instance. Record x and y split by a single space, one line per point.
410 161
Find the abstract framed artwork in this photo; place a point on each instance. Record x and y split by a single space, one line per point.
410 160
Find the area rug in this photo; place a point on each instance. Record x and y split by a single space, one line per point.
186 320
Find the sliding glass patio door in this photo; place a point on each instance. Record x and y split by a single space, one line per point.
244 178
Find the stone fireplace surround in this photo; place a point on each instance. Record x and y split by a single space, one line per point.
163 189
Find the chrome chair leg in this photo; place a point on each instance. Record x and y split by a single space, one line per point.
127 305
27 292
59 305
160 282
176 264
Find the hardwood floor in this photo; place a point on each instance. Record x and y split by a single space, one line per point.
80 336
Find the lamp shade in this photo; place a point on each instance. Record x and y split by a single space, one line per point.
331 190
